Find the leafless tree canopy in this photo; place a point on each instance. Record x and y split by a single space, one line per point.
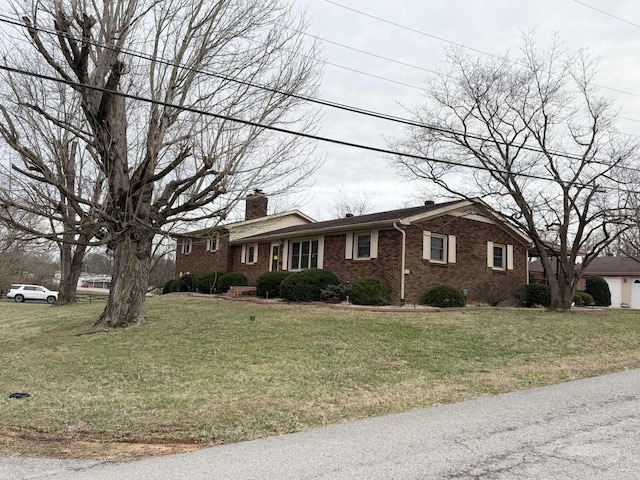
629 243
351 204
532 136
143 136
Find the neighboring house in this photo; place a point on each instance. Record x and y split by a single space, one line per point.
209 249
621 273
463 243
623 277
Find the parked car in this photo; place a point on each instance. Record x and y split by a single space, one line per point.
20 293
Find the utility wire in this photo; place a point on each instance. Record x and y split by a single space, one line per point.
326 103
384 20
292 132
607 14
461 45
364 52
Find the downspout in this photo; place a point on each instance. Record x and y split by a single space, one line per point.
402 261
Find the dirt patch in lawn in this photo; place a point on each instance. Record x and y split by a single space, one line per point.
41 445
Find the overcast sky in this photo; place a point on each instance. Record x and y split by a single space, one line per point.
413 35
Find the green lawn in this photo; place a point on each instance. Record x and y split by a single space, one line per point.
200 370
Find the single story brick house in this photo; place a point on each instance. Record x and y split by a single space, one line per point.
462 243
209 249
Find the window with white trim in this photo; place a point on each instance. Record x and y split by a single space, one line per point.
187 244
212 243
304 254
249 253
438 248
499 256
361 245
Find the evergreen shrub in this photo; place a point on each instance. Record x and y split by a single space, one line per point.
443 296
369 291
307 285
231 279
268 284
598 288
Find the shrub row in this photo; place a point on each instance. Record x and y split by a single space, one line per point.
321 285
537 294
208 282
583 299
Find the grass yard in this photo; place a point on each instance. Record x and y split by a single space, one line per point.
200 372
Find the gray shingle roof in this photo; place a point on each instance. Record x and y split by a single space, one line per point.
607 266
387 217
602 267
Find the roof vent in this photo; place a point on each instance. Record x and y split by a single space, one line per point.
429 202
348 215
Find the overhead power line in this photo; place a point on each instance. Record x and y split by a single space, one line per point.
318 101
457 44
607 14
292 132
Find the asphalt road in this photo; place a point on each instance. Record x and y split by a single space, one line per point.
585 429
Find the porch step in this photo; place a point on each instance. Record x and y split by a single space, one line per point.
240 291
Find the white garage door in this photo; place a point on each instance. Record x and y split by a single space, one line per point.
615 286
635 293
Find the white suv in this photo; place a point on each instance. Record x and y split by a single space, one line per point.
20 293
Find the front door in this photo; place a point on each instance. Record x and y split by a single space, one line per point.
275 258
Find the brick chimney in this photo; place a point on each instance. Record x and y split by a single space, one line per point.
256 205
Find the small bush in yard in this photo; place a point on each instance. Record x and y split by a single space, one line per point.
186 283
443 296
208 282
171 286
307 285
535 294
598 288
369 291
333 294
583 299
232 279
268 284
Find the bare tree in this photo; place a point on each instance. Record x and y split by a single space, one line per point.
46 192
172 114
11 254
97 262
629 242
351 204
531 136
24 261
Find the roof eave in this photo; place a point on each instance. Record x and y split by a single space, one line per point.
313 231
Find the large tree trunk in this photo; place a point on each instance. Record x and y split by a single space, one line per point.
128 282
71 268
561 296
561 286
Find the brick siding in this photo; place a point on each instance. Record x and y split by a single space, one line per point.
470 271
200 260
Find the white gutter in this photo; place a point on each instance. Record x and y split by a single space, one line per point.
402 261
